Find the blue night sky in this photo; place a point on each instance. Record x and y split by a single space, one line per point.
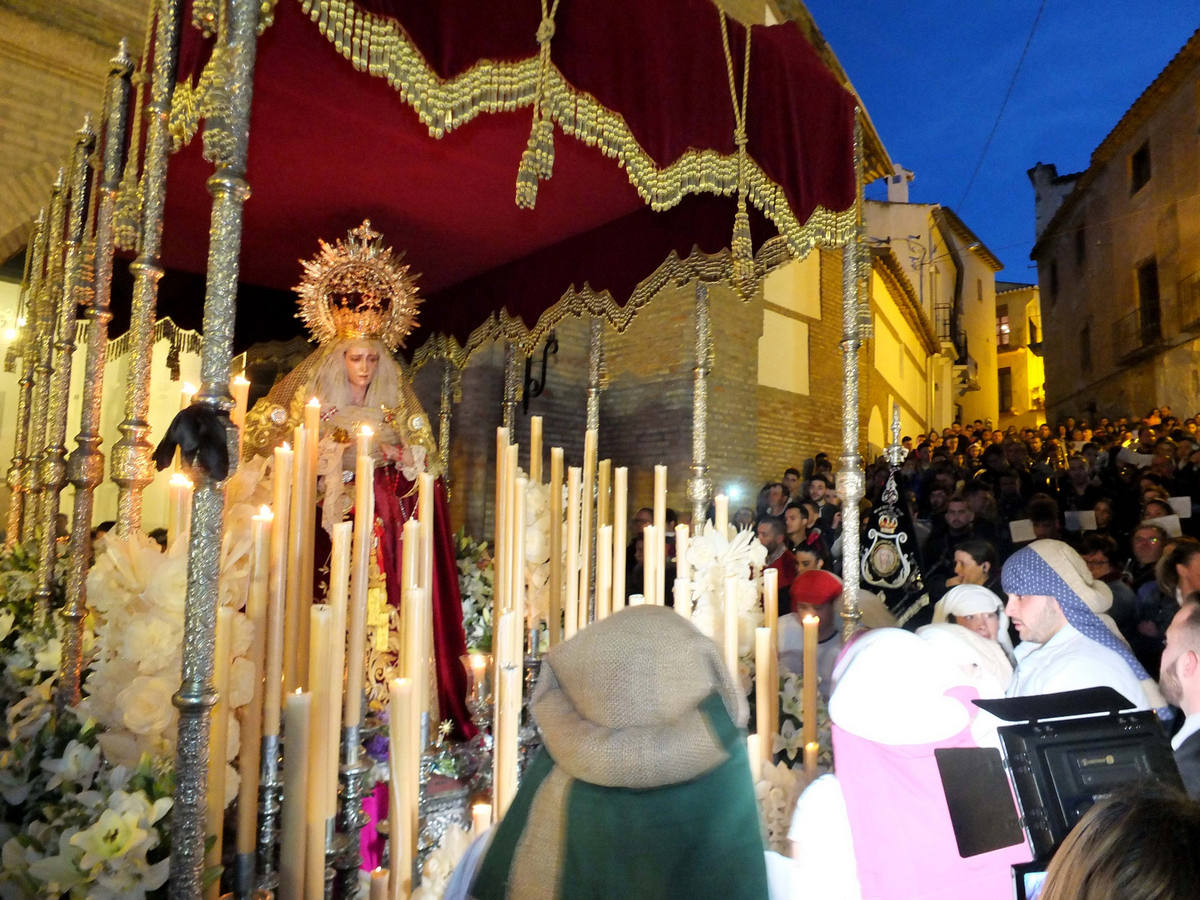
933 76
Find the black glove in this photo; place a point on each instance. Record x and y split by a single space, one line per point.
199 433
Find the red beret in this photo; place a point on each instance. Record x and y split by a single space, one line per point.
815 587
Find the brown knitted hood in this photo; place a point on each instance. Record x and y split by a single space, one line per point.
618 704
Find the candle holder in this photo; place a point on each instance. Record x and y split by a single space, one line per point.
529 736
332 849
351 817
270 796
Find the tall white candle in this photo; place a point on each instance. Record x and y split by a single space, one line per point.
535 449
282 497
650 564
337 600
620 538
730 629
765 691
809 687
721 514
481 818
403 773
321 636
293 818
585 523
754 756
571 573
500 520
518 563
218 738
252 713
187 391
770 580
179 487
556 545
603 572
360 569
660 535
295 608
682 566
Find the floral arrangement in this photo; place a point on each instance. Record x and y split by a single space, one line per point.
715 560
777 791
537 551
476 584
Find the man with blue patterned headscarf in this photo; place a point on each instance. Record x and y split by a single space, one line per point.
1055 604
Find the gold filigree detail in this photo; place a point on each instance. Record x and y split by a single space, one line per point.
379 47
357 288
537 160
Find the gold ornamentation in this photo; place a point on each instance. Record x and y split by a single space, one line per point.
357 288
380 48
741 243
537 161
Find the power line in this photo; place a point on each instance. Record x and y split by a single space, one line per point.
996 124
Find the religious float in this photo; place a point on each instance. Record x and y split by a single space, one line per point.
207 719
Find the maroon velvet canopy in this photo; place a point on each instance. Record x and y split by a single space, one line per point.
331 145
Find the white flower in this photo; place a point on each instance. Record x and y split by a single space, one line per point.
113 834
153 641
146 705
78 766
242 636
49 656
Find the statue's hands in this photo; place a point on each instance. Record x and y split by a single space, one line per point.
390 452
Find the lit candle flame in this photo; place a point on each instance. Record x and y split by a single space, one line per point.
265 514
315 403
366 431
180 480
240 379
286 447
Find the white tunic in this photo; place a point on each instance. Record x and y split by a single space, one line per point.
1069 661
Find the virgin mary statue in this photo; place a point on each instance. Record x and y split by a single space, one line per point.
359 303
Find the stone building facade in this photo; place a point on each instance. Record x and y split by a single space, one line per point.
1119 259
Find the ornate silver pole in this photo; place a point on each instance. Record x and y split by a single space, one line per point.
43 333
512 389
86 466
700 485
450 393
595 364
850 477
131 454
226 137
54 459
18 473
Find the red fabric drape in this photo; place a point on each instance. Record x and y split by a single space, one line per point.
449 644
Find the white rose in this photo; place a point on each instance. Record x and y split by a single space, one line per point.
153 642
146 705
166 586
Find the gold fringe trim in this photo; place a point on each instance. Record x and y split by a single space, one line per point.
380 48
590 303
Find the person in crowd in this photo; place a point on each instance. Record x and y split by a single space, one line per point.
812 556
743 518
1043 513
975 562
813 593
948 533
793 520
1179 679
772 499
816 534
792 483
976 608
1099 552
1137 844
1079 490
643 790
1064 644
772 534
1146 543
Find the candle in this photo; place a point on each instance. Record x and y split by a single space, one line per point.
239 387
425 517
187 391
511 565
770 581
730 629
682 569
179 488
508 712
360 567
281 480
252 714
660 535
620 540
603 572
293 819
556 561
721 517
307 514
379 884
649 563
535 449
321 637
412 662
683 598
603 490
403 762
809 697
481 818
218 738
754 756
765 690
810 759
585 523
572 567
518 568
294 631
336 601
479 666
500 522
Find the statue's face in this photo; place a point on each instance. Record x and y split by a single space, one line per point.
361 363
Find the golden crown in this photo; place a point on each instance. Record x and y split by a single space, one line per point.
357 288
